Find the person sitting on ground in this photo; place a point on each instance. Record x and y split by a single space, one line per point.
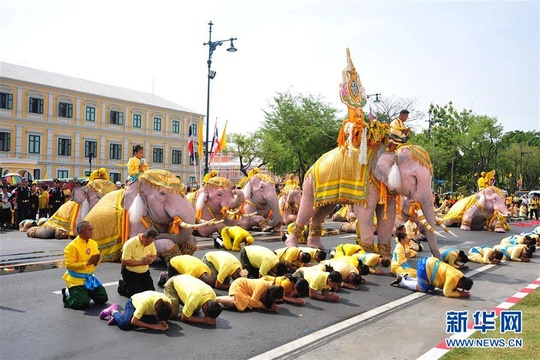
485 255
412 246
293 257
81 258
233 237
412 230
224 268
293 288
194 295
373 261
322 284
317 255
454 257
148 309
519 252
186 264
252 294
400 256
260 261
433 273
350 274
137 255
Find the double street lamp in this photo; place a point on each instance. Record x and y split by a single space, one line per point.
212 45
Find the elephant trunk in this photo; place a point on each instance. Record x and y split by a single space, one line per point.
429 217
275 217
238 201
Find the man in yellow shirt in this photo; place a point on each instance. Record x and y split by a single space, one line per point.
224 267
325 282
148 309
81 258
399 133
349 273
194 295
373 261
317 255
433 273
293 257
187 264
137 255
260 261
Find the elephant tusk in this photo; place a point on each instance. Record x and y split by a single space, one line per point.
250 215
422 219
444 227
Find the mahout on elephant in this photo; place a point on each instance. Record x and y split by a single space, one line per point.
155 200
363 173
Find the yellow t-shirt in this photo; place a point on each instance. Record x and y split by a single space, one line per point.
134 164
133 249
43 200
348 250
351 260
446 277
262 258
282 281
317 279
192 292
145 303
310 251
190 265
289 254
224 262
342 267
76 254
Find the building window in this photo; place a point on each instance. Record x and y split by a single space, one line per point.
117 117
195 130
90 147
34 144
176 126
37 173
5 141
191 159
35 105
177 156
137 120
65 110
6 100
90 113
115 177
157 124
64 147
62 174
115 151
157 155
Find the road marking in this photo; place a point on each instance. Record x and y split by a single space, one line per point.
106 284
312 341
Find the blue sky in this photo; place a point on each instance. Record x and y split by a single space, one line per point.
481 55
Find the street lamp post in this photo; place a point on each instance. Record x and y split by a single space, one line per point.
376 97
212 45
90 156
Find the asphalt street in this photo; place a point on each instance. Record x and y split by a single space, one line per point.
34 324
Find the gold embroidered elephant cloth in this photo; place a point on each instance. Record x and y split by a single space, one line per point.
338 177
458 209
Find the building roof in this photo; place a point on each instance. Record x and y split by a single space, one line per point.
22 73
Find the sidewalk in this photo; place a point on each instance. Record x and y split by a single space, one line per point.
409 330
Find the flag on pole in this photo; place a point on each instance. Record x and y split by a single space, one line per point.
200 133
215 143
191 149
223 140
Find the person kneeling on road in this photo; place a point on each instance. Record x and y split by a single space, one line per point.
433 273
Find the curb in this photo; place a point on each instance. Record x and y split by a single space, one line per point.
441 349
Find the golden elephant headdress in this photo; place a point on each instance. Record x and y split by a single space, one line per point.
163 180
211 179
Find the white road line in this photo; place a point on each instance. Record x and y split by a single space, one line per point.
105 284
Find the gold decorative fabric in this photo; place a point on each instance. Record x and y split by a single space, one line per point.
101 186
164 180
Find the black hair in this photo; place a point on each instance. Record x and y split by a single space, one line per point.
356 279
497 254
335 277
404 111
137 148
321 255
281 268
528 252
364 269
464 258
213 309
400 227
305 257
385 261
163 310
466 283
151 233
401 236
328 268
272 294
302 287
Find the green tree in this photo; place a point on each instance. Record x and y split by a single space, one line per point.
518 155
296 131
247 147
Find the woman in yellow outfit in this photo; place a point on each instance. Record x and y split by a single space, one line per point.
137 164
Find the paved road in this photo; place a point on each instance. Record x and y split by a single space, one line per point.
34 325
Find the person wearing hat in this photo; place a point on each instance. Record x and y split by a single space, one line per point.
56 197
399 133
118 185
22 196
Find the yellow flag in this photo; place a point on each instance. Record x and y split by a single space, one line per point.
223 139
200 139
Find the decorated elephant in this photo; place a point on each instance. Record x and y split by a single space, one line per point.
156 200
289 201
260 208
63 222
477 211
363 173
214 204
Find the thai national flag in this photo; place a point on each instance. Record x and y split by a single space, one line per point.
191 149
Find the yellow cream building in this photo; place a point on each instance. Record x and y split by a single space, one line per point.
52 125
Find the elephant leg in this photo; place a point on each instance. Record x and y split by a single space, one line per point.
305 212
364 215
315 226
385 227
166 249
467 219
